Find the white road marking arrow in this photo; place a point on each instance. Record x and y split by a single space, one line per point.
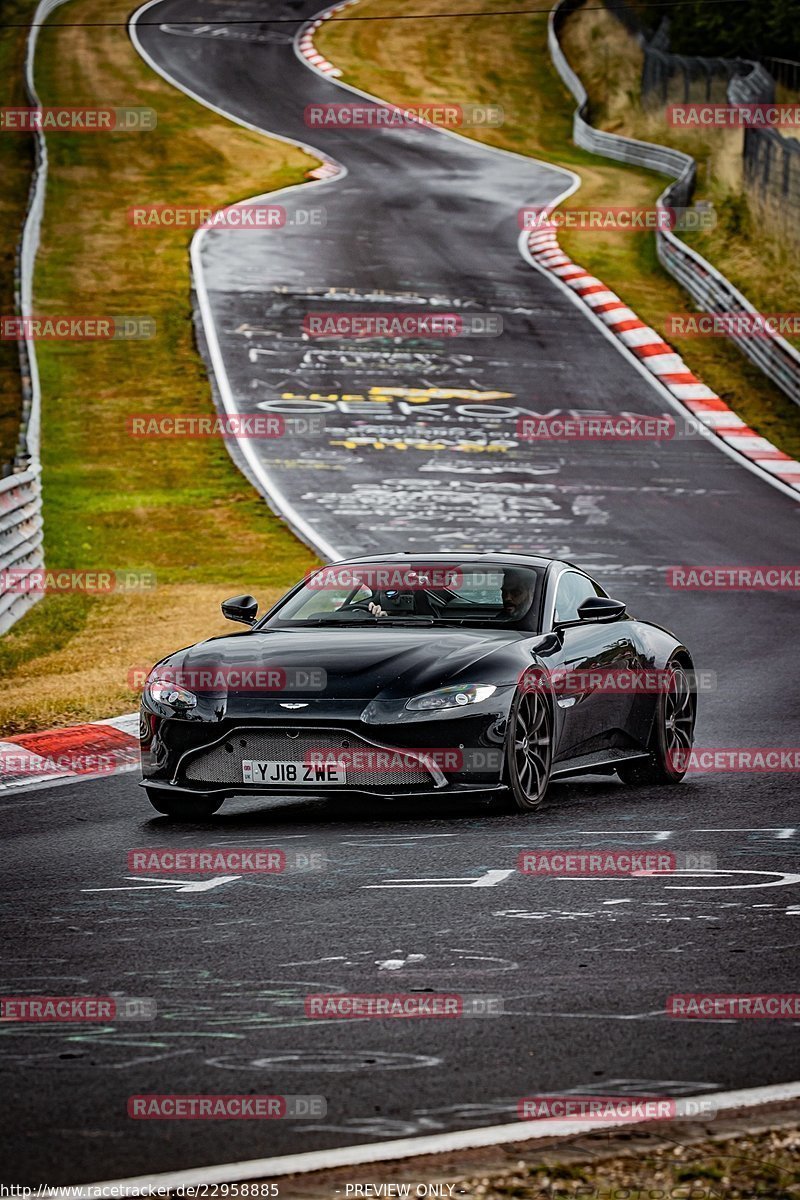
488 879
784 879
178 885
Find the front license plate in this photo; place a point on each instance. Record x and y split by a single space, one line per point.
311 774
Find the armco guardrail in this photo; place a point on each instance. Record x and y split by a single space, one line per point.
20 540
779 361
785 71
756 85
21 546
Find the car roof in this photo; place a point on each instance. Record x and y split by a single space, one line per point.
522 560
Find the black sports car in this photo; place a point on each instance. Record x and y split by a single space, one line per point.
395 676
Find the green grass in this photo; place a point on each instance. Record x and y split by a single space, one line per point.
177 507
16 167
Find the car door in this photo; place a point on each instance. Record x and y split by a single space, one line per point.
592 712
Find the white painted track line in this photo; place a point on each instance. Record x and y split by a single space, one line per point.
279 502
440 1143
405 1148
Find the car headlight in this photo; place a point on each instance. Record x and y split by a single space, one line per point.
167 691
457 696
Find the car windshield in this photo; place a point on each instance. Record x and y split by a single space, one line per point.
415 593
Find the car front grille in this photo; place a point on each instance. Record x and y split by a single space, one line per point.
222 763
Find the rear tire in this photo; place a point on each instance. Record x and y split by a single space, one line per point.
184 808
529 748
672 736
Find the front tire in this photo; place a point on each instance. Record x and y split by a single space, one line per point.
672 736
529 748
184 808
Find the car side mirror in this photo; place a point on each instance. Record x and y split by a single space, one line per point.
601 608
241 608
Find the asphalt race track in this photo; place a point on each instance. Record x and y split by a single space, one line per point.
583 967
424 215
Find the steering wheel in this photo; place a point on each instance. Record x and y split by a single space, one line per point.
360 608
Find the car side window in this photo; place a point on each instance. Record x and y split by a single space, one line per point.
571 591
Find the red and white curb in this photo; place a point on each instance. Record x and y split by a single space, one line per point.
661 360
88 751
327 170
305 43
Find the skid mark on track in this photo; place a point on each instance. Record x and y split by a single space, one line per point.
328 1061
433 965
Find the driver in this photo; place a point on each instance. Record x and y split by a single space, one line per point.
516 593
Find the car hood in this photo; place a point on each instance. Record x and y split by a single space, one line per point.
364 664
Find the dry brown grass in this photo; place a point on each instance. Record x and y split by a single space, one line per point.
178 508
756 248
96 674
